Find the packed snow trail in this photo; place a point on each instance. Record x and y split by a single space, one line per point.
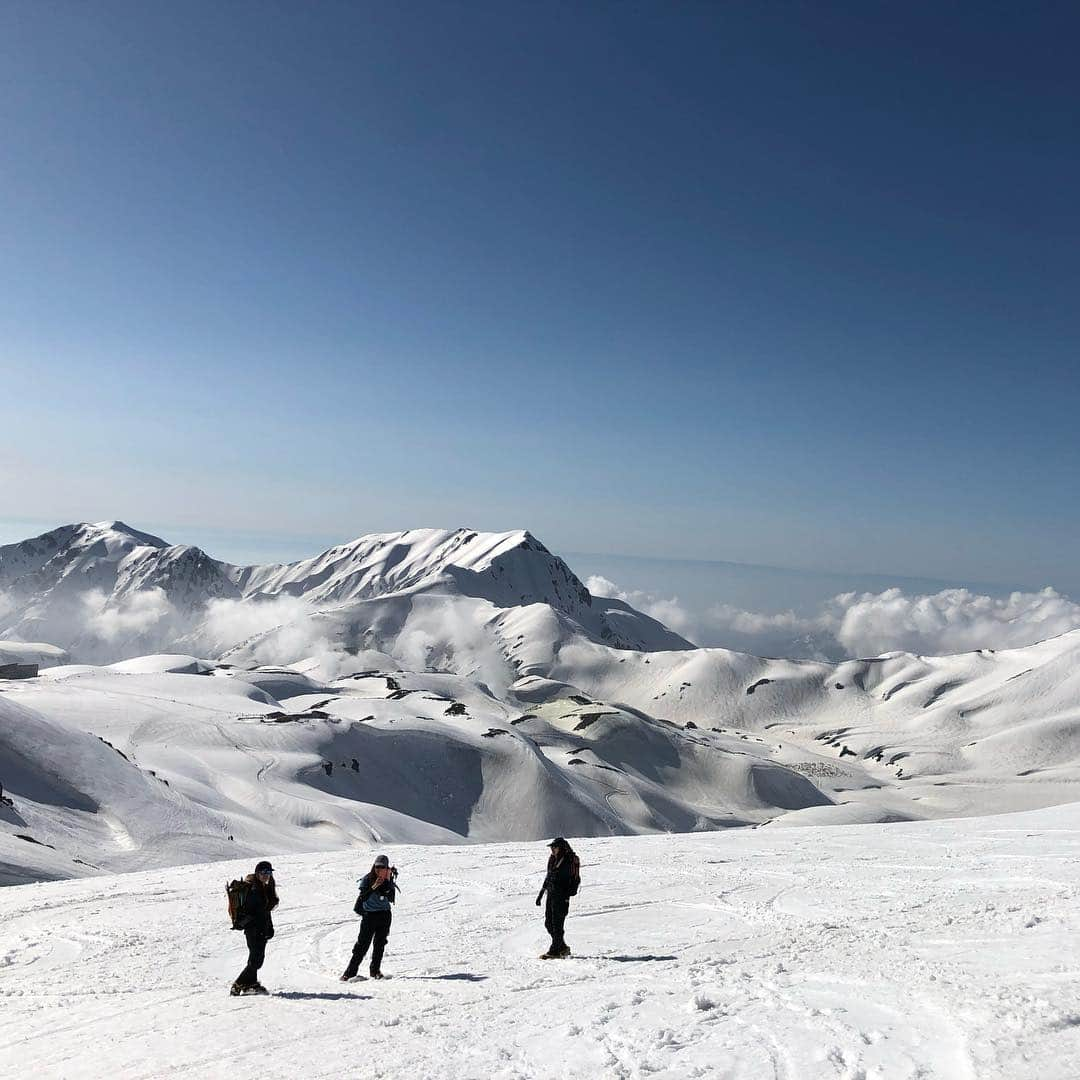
943 949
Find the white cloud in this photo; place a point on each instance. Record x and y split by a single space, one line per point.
285 632
866 624
599 585
954 620
780 634
131 615
227 622
452 637
668 611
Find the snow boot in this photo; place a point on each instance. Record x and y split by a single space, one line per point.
377 975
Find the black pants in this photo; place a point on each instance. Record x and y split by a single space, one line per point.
374 927
256 942
554 919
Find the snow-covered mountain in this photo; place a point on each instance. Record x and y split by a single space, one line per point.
110 557
106 591
435 686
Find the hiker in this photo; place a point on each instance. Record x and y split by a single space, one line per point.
378 889
561 882
254 919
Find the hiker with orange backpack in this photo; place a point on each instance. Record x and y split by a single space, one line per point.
561 882
250 903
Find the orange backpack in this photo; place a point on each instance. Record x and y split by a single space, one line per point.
237 892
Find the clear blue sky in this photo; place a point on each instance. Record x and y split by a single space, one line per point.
779 283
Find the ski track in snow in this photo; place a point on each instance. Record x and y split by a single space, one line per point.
945 949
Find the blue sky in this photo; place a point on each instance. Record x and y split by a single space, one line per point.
768 283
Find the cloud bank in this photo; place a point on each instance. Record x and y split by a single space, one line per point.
847 625
954 620
130 616
866 624
227 622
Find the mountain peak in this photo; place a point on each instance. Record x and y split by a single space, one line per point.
122 529
67 544
380 563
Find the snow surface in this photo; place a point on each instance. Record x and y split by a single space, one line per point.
946 949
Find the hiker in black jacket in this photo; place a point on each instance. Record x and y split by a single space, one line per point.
258 926
560 884
378 890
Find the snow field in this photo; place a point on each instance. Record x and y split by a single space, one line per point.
135 766
933 949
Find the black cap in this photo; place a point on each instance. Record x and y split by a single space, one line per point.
382 860
557 842
264 865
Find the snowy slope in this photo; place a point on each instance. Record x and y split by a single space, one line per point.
433 686
169 759
594 741
947 949
980 732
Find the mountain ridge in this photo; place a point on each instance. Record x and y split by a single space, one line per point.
53 579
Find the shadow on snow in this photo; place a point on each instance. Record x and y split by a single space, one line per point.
296 995
457 976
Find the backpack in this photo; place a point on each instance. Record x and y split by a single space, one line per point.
237 893
575 875
358 907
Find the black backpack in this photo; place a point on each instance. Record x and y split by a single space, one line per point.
358 907
575 876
